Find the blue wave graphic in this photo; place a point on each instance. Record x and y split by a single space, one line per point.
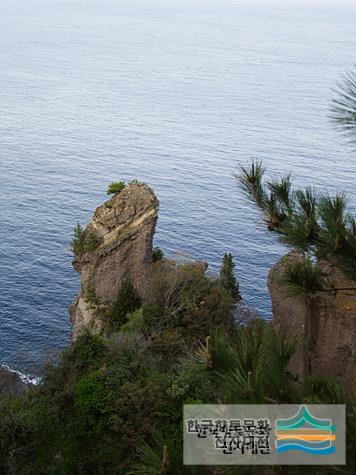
305 443
326 451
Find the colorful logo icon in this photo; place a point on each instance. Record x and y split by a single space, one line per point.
305 433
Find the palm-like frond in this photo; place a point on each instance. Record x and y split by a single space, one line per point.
299 231
303 277
333 218
274 211
151 457
343 109
250 177
282 190
320 390
306 220
306 202
258 370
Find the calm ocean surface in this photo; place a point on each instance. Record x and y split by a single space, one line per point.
93 92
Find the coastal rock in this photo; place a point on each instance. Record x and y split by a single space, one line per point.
123 228
325 324
11 383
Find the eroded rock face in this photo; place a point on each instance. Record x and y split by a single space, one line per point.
124 226
325 323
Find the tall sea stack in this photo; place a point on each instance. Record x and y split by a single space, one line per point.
123 229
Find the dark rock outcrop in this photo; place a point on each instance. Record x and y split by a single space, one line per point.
11 384
324 322
124 227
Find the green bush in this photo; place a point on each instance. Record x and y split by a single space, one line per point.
115 187
91 241
83 241
89 393
90 297
183 298
157 254
127 301
86 353
134 322
303 277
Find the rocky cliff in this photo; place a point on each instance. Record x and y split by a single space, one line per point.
325 323
122 229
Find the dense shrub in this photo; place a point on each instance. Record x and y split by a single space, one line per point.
83 241
114 407
115 187
127 301
183 297
157 254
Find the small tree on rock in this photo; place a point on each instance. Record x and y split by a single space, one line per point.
157 254
227 277
78 240
115 187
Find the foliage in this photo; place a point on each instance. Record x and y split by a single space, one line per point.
112 407
250 178
90 297
303 276
89 393
157 255
91 242
343 110
227 277
83 241
184 299
127 301
315 223
87 352
115 187
78 240
134 322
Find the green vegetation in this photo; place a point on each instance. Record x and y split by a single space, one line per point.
227 277
157 255
91 297
94 303
83 241
78 240
183 305
343 109
113 407
115 187
303 277
314 223
127 301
